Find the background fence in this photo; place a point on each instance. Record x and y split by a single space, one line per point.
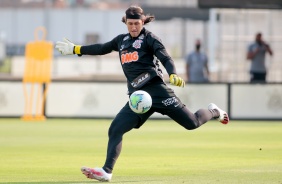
225 34
80 99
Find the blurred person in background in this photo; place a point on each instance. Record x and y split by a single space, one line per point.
197 70
256 53
139 54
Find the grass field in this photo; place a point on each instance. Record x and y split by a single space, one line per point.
159 152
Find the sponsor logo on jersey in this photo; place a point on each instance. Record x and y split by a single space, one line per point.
129 57
121 47
140 80
170 101
137 44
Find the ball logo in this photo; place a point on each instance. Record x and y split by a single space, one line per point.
129 57
140 102
137 44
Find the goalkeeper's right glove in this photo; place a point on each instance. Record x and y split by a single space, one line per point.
66 47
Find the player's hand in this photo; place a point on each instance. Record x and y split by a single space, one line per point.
176 80
66 47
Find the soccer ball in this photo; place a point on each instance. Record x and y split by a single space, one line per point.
140 102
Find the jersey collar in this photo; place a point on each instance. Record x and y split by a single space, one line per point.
141 32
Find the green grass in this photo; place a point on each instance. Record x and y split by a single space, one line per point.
159 152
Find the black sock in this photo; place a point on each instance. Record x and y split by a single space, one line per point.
109 171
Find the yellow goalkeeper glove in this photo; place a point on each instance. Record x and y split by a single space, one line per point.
176 80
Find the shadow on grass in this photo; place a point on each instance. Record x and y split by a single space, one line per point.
77 182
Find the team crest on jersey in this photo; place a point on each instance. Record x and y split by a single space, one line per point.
137 44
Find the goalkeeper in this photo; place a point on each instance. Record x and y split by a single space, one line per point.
140 53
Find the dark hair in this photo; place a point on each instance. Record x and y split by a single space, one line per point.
137 12
259 34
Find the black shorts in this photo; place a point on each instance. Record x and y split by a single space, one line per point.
258 77
164 101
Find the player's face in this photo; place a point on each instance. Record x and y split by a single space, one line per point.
134 26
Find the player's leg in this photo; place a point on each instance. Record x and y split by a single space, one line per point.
258 77
223 116
125 121
263 77
189 120
166 102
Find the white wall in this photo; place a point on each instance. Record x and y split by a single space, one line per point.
84 99
260 101
90 100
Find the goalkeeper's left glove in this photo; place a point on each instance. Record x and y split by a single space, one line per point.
176 80
66 47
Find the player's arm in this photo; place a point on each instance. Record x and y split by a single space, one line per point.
251 54
66 47
161 53
268 49
95 49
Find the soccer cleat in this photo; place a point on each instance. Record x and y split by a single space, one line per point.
96 173
223 116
